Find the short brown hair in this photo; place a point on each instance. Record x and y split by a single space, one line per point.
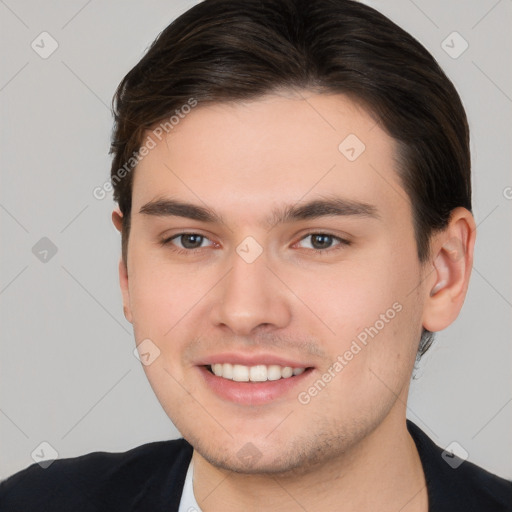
230 50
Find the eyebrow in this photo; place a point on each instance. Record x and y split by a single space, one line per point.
329 206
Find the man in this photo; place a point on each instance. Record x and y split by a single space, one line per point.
293 181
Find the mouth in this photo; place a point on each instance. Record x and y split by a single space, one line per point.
256 384
257 373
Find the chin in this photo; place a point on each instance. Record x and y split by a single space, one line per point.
250 460
290 459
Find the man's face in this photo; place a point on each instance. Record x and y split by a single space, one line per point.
252 289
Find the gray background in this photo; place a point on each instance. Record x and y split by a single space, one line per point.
68 374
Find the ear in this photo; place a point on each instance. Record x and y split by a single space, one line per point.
117 219
452 260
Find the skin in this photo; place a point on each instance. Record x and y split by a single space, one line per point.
349 445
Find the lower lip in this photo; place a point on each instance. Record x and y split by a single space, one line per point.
252 393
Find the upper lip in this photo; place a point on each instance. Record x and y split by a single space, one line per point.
252 360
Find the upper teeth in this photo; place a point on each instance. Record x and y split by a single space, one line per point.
258 373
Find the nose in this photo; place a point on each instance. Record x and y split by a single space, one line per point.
250 296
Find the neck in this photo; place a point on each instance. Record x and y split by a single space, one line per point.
383 472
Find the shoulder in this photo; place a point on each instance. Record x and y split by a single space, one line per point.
145 477
454 484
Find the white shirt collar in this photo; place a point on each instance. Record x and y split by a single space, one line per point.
188 501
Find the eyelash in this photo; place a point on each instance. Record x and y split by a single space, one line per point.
342 243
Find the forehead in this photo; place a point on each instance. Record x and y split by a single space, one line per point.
243 158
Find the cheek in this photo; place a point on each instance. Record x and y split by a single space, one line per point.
161 300
370 309
372 353
350 298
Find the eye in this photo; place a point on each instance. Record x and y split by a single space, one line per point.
323 242
188 242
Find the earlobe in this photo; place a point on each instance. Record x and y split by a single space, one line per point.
452 262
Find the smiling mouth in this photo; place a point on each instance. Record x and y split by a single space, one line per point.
257 373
